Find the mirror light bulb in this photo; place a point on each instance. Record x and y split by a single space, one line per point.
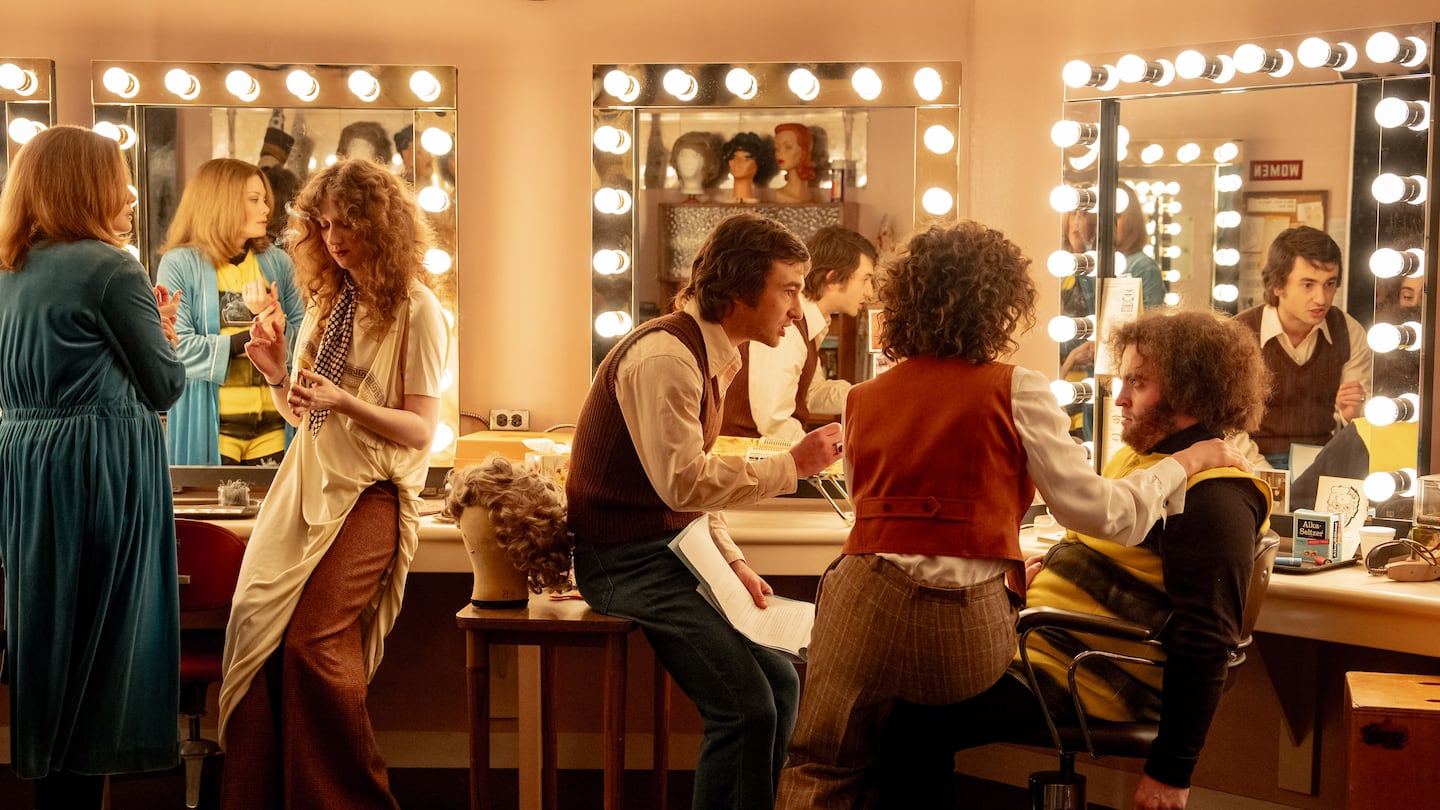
1228 182
1382 486
182 83
1386 48
1063 263
608 262
1132 68
1226 152
242 85
1391 113
612 140
436 141
365 86
1225 293
1064 328
928 83
1389 262
742 83
1227 219
1387 337
1227 257
302 85
108 129
1066 134
444 435
437 261
937 201
867 83
1382 411
17 79
1172 252
1070 198
432 199
21 130
612 201
1188 153
613 323
680 84
121 82
939 139
804 84
1392 188
622 85
1172 299
1078 73
424 85
1152 154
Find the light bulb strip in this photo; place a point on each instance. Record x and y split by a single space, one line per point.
780 85
399 87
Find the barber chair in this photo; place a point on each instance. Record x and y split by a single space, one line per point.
209 564
1064 789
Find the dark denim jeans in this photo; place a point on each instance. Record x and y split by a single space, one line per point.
746 694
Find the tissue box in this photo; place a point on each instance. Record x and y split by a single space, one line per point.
1317 536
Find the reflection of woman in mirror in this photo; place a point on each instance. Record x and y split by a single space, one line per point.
365 139
87 533
792 153
325 567
695 157
218 253
1130 241
751 160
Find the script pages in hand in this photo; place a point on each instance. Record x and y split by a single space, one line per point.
783 625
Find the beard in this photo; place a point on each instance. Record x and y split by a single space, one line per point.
1148 429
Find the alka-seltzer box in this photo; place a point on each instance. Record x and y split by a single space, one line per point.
1317 536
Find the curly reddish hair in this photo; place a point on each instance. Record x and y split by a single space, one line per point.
1208 366
956 291
528 512
376 203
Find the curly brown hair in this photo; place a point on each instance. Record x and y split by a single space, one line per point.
956 291
1207 364
528 512
375 202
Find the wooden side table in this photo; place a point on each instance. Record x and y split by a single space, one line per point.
550 624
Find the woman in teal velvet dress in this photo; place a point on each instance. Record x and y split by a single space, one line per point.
87 534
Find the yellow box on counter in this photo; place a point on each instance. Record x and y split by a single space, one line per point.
473 448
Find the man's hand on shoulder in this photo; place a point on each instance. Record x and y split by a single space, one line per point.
819 449
1152 794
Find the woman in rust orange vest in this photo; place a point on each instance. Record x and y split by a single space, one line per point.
945 453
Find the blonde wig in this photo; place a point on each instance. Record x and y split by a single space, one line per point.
211 214
375 203
528 512
67 184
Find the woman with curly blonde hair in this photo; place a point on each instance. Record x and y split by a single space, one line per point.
945 452
324 571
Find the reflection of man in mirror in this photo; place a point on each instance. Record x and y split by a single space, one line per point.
792 153
1317 353
1397 300
695 158
751 160
364 139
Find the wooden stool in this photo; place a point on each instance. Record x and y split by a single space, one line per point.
1393 727
548 624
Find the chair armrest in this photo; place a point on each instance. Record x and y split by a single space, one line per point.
1036 618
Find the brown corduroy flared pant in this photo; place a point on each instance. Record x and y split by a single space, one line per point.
301 735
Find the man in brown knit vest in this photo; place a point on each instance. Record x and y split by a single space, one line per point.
641 471
778 389
1317 355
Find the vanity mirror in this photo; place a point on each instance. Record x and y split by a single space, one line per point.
1335 133
887 131
27 90
169 117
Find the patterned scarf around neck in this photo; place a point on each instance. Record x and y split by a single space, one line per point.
335 346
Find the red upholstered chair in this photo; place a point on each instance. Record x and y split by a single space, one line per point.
209 564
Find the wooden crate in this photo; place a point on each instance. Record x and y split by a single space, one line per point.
1392 726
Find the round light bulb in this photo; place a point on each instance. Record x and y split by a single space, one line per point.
182 83
621 85
613 323
1065 198
1152 154
1226 152
680 84
1188 153
242 85
444 435
1066 134
1382 486
424 85
1227 219
1227 257
1228 182
867 83
928 83
1314 52
804 84
612 201
437 261
21 130
611 139
1387 263
1191 64
608 262
108 129
1062 263
302 85
937 201
1077 73
12 77
365 86
939 139
1172 299
432 199
1132 68
742 83
1225 293
1063 392
436 141
121 82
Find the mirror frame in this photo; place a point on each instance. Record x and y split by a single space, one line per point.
1094 81
614 173
395 89
35 95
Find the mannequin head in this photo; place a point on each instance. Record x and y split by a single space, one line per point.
364 139
748 155
695 157
792 150
512 519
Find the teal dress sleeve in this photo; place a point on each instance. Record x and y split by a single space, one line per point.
131 321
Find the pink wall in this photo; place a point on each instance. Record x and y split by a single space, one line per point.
525 91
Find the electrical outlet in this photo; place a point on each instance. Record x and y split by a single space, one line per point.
509 419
